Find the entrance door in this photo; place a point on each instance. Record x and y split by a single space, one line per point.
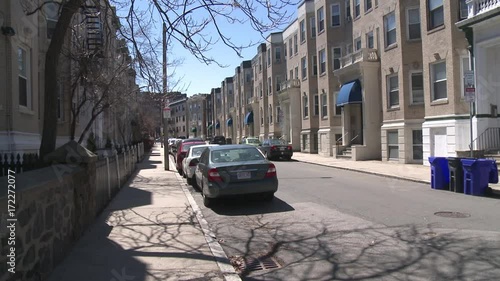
356 120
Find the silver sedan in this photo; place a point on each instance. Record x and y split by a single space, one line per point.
229 170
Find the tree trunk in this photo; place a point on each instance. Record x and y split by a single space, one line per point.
89 124
49 130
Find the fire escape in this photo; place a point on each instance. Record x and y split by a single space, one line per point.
94 28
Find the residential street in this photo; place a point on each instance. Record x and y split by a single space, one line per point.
331 224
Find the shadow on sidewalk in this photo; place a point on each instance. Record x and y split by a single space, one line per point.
132 241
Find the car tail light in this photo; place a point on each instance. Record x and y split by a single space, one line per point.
192 163
271 171
213 175
273 147
289 147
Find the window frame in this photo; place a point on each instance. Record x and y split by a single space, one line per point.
312 21
357 44
303 67
302 31
338 109
366 6
461 9
269 86
390 91
27 76
420 145
315 65
387 31
270 114
277 54
336 58
408 34
324 105
321 19
305 106
389 144
369 35
357 9
412 95
296 43
278 112
337 14
462 72
430 12
322 61
432 73
316 105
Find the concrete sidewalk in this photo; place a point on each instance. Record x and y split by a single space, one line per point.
409 172
149 231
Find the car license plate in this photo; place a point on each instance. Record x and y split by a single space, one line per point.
283 148
243 175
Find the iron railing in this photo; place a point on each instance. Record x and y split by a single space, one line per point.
488 141
339 145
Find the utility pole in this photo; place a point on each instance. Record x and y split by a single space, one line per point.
165 101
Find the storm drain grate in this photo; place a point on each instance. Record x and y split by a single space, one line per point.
456 215
254 264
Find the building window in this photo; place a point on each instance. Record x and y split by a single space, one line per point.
335 10
464 10
418 152
338 109
270 114
302 31
305 106
321 19
368 5
369 40
436 13
337 55
313 27
315 64
393 90
414 24
268 57
322 61
348 10
261 89
51 12
438 87
277 54
284 51
278 83
357 8
316 105
183 128
390 29
290 47
261 117
324 106
303 63
357 44
24 68
417 88
60 103
296 72
295 44
269 86
392 145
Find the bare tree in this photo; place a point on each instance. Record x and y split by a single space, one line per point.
194 24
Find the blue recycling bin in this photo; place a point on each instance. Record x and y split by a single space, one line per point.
440 174
493 172
476 176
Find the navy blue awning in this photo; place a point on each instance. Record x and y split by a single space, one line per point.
217 125
249 118
350 93
229 122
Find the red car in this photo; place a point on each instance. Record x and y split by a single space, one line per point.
182 150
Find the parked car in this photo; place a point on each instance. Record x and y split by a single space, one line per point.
218 140
251 141
275 148
182 149
189 162
234 169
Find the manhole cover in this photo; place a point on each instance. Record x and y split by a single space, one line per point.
456 215
325 177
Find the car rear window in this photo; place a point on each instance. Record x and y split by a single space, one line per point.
235 155
197 151
276 142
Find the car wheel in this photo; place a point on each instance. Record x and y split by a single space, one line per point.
180 172
289 158
269 196
208 202
184 175
189 180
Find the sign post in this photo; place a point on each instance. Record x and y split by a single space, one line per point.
166 118
470 96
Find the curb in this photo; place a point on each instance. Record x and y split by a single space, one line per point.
366 172
495 192
220 256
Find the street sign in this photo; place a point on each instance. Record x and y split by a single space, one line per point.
470 94
166 112
469 78
469 86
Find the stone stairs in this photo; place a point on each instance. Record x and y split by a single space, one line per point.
346 154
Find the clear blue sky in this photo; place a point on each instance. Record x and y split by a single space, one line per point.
197 77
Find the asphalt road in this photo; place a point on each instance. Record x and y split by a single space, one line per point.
331 224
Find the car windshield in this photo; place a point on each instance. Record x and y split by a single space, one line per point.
197 151
235 155
253 141
276 142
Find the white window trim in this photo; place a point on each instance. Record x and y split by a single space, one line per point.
339 15
431 66
388 86
408 23
29 95
411 86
